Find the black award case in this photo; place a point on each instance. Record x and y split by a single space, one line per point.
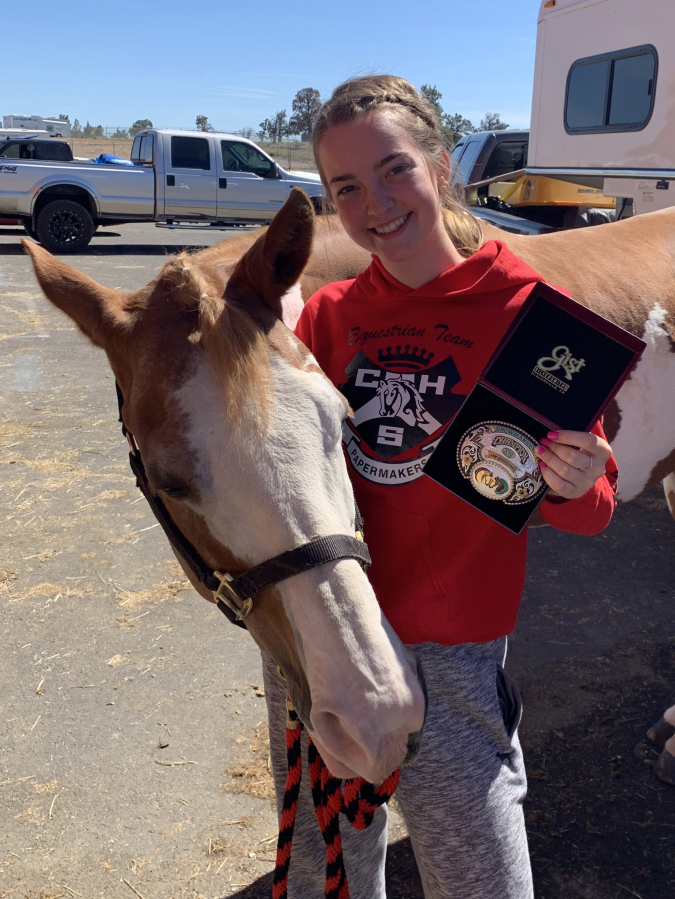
558 366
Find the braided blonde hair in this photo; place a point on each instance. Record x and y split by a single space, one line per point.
361 96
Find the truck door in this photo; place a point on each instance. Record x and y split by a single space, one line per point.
189 177
248 186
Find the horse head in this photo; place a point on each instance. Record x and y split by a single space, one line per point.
240 435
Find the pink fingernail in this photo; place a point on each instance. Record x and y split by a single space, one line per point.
543 465
540 450
553 435
545 442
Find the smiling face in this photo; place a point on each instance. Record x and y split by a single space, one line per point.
387 195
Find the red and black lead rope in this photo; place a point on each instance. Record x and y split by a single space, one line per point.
358 800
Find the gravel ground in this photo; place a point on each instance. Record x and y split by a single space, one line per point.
133 750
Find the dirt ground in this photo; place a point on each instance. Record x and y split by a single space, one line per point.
133 754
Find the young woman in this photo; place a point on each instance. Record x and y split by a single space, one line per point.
405 342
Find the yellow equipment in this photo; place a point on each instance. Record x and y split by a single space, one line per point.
540 191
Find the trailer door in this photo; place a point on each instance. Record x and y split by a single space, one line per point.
189 177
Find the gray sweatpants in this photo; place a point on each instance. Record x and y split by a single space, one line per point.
461 800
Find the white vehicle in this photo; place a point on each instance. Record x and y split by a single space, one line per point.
602 111
36 123
177 178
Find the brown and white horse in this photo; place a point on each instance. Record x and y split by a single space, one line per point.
240 433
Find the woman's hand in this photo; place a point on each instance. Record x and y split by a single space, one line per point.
572 461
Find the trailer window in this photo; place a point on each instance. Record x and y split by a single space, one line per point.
190 153
612 92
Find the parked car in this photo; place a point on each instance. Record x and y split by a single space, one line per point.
178 177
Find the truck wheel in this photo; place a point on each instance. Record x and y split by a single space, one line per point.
64 226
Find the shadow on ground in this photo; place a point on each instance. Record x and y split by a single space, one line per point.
403 881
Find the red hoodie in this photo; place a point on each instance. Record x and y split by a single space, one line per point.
442 571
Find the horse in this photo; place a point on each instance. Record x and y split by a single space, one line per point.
236 433
201 355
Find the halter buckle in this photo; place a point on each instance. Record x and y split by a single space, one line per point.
225 593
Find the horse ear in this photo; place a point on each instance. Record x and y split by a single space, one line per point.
94 309
277 259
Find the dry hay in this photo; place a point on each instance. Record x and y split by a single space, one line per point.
255 779
46 787
7 576
161 592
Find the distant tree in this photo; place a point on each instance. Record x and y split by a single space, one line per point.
455 127
98 131
88 130
306 106
64 118
433 96
121 134
276 128
492 121
139 125
76 130
246 132
203 124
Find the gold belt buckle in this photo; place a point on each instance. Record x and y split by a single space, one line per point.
225 593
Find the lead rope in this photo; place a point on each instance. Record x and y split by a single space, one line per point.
359 800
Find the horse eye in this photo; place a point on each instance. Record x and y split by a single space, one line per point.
178 491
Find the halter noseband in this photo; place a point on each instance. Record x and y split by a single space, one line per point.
234 595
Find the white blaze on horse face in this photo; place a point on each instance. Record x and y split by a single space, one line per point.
260 499
646 401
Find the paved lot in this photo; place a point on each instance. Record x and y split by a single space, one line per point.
133 755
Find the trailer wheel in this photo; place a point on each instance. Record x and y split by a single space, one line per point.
64 226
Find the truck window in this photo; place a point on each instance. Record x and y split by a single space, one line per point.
136 148
53 152
240 157
506 157
11 151
612 92
468 159
190 153
145 152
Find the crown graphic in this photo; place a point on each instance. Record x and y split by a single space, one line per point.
414 358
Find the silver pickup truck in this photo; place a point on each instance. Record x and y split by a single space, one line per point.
176 177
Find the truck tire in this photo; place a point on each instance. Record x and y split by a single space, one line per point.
64 226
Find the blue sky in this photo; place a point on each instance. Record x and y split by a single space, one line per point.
117 61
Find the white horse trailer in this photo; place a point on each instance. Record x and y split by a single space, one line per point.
603 104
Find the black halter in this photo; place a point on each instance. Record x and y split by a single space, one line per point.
234 595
